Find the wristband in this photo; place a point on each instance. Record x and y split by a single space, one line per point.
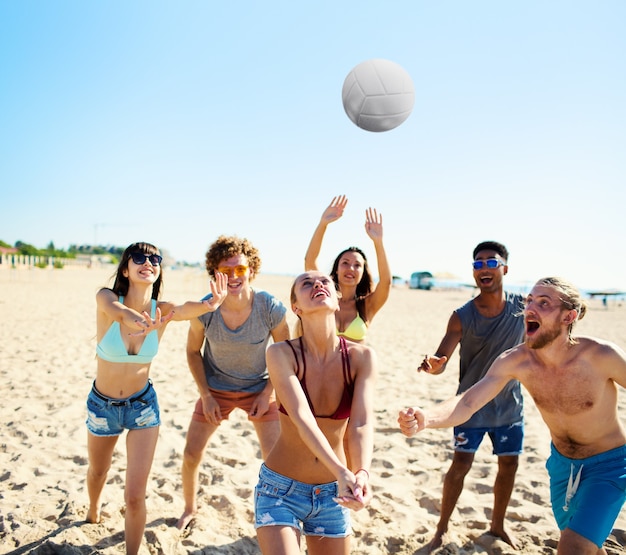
363 470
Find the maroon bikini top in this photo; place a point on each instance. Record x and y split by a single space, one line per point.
343 410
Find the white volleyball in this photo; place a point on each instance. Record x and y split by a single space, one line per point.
378 95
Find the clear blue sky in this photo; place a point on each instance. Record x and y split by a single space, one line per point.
175 122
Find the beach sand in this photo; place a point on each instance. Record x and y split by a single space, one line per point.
47 365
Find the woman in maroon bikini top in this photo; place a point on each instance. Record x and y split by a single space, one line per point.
324 386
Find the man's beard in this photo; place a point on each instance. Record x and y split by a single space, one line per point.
544 338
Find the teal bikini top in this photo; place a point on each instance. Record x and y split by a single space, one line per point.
112 347
357 330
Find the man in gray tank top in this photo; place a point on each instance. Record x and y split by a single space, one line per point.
485 327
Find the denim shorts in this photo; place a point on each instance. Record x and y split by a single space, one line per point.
309 508
110 417
506 440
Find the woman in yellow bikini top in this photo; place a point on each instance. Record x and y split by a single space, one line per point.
360 298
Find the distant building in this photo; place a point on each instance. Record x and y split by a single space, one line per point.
421 280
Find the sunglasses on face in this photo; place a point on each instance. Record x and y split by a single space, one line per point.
140 258
489 263
238 271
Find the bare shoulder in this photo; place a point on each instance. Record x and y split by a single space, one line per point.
359 349
362 357
512 362
105 294
278 350
598 348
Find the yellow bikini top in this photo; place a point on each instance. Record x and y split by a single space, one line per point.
357 330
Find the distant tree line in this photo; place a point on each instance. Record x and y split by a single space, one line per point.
51 250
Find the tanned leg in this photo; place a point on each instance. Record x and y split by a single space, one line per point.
100 452
140 447
198 436
502 489
572 543
452 488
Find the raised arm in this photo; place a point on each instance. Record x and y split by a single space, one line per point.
333 212
378 297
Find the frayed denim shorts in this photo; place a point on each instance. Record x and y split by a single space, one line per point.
110 417
309 508
506 440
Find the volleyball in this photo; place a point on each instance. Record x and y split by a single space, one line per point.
378 95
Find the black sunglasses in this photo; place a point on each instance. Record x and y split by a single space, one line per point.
141 257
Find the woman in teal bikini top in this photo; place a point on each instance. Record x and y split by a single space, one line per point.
129 323
111 347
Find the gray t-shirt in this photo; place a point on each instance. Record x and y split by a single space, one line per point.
234 360
482 341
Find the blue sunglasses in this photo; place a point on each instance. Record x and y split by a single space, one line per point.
489 263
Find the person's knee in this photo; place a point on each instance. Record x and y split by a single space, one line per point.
194 450
461 466
572 543
508 464
98 472
135 499
192 455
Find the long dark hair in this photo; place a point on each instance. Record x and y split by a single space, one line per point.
363 288
121 284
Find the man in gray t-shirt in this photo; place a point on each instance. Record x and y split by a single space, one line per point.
484 327
226 357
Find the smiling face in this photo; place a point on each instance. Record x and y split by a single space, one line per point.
350 268
128 269
313 291
489 279
145 271
238 272
545 317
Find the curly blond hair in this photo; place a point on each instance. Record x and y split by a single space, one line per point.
226 247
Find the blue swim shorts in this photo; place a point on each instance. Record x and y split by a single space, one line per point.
309 508
110 417
588 494
506 440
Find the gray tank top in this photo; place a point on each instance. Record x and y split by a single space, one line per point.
482 341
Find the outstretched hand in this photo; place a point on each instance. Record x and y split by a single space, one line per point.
373 224
335 209
432 364
149 324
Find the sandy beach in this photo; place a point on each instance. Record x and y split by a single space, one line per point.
47 365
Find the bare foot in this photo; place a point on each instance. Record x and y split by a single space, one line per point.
504 536
436 542
185 520
93 516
